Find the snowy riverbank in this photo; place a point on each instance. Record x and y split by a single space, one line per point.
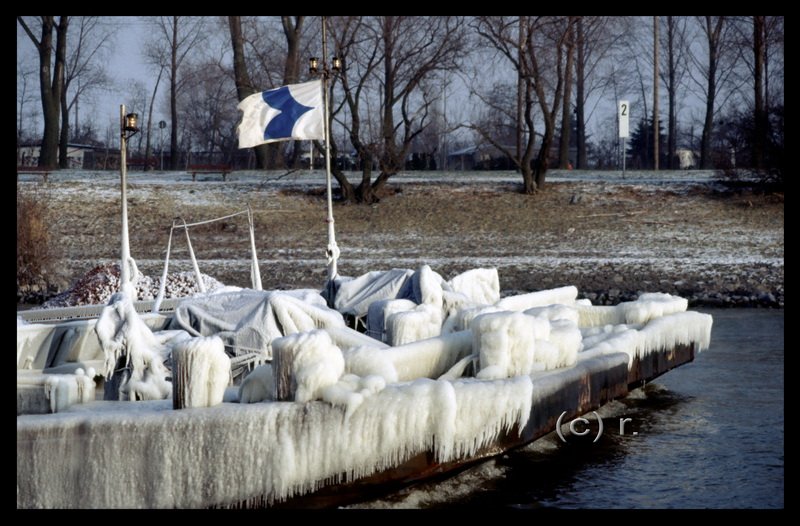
612 238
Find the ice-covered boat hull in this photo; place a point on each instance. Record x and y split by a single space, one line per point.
587 391
89 457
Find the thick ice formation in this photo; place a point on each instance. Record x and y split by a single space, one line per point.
39 392
680 328
347 338
505 344
424 321
380 311
200 372
555 312
351 391
521 302
258 386
484 408
304 364
480 285
263 452
134 356
429 358
462 319
647 307
427 287
370 361
567 338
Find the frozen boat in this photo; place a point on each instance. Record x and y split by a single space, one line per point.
441 374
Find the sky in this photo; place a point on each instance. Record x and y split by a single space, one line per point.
125 63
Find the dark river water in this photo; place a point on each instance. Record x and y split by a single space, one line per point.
709 434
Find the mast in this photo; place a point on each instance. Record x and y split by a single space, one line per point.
332 251
125 278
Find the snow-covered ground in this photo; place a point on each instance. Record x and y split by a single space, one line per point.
315 178
611 236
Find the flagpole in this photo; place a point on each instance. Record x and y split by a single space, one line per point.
125 252
333 250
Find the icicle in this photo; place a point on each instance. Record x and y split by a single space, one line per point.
200 372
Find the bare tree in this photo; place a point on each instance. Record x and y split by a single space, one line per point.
773 61
758 44
714 76
391 59
540 58
172 41
51 84
25 80
656 134
292 30
244 86
760 108
147 148
596 38
674 48
263 61
566 106
209 107
84 71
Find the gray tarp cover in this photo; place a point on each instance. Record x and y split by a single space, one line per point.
248 320
354 296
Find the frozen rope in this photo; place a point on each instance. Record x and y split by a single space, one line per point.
187 225
255 271
197 274
163 286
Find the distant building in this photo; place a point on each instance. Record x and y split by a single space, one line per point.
78 154
480 157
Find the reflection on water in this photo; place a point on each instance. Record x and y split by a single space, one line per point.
709 434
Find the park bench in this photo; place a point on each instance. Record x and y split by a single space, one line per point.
195 169
141 164
44 172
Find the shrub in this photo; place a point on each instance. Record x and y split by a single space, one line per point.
36 255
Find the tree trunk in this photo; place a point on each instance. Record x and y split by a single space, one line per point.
542 160
364 190
528 181
244 88
760 113
671 92
520 42
173 98
63 141
566 122
389 153
50 88
348 193
656 136
147 149
580 97
291 68
61 64
713 33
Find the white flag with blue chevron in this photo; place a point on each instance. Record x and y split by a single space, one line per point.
293 111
